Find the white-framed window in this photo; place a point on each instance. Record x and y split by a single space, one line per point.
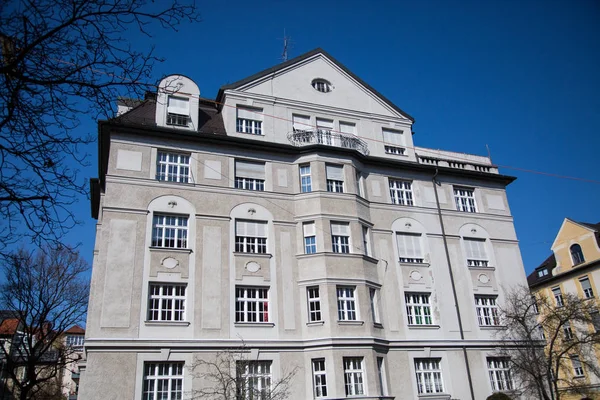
465 199
577 254
163 381
354 376
324 132
321 85
166 302
249 120
476 254
374 296
393 141
410 249
75 341
305 179
577 367
541 333
178 111
250 236
542 272
173 167
429 375
418 308
558 296
382 377
487 311
251 304
567 331
499 372
249 175
346 302
401 192
169 231
335 178
301 123
254 380
340 237
395 150
588 292
358 180
348 128
310 237
319 377
366 240
314 304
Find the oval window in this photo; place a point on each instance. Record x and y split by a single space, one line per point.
321 85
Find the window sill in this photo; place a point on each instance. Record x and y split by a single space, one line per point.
256 255
315 323
423 327
435 396
492 327
254 324
351 323
414 264
250 133
166 323
170 249
488 268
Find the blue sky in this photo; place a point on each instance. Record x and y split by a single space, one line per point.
522 77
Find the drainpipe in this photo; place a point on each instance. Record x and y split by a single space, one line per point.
460 326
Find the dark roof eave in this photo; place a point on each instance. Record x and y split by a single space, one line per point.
302 57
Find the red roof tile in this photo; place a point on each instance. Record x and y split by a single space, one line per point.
75 330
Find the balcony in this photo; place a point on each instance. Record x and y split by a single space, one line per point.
328 138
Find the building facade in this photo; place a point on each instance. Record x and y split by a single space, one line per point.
573 268
294 214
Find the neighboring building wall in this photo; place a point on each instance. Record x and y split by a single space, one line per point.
121 337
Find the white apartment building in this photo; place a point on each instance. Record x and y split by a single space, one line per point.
294 213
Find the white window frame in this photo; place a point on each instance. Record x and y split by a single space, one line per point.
429 375
418 308
411 248
374 298
577 367
346 303
499 373
319 377
354 376
305 178
335 185
476 252
313 298
169 231
167 373
340 237
401 192
586 288
75 341
178 116
383 386
310 237
465 199
172 167
395 150
250 180
251 122
557 293
366 234
488 313
252 304
251 243
166 302
567 331
256 379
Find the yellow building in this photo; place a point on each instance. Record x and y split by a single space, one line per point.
574 268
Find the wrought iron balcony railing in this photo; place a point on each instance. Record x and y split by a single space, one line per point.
328 138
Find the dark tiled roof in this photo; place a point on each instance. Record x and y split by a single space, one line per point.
210 119
595 226
300 58
549 264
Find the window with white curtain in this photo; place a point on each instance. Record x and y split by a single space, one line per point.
499 372
310 237
348 128
335 178
429 375
410 249
324 132
401 192
340 237
393 141
475 252
250 236
249 120
178 111
301 123
249 175
354 376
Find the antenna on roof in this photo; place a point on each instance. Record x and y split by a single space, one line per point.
489 152
286 46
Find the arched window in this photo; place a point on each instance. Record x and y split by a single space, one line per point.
577 254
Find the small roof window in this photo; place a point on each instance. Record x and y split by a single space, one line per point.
322 85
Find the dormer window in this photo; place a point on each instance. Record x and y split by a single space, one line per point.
321 85
542 272
577 254
178 111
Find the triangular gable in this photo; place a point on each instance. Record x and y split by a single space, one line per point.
570 229
256 79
